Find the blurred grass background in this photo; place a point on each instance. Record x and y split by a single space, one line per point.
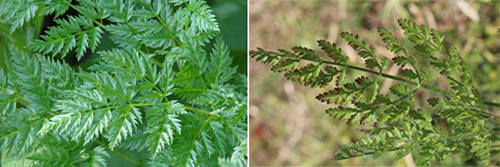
289 127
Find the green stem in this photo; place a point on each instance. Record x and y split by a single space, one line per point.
200 111
406 96
431 88
10 134
121 154
165 27
413 62
462 136
126 157
240 115
367 153
204 124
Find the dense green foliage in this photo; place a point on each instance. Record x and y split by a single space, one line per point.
166 94
456 120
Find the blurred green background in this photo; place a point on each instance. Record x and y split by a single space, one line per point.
232 18
290 128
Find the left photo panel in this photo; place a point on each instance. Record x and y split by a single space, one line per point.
123 83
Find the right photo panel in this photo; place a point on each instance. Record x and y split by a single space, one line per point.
374 83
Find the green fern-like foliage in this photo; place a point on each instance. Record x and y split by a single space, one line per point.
391 121
165 94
